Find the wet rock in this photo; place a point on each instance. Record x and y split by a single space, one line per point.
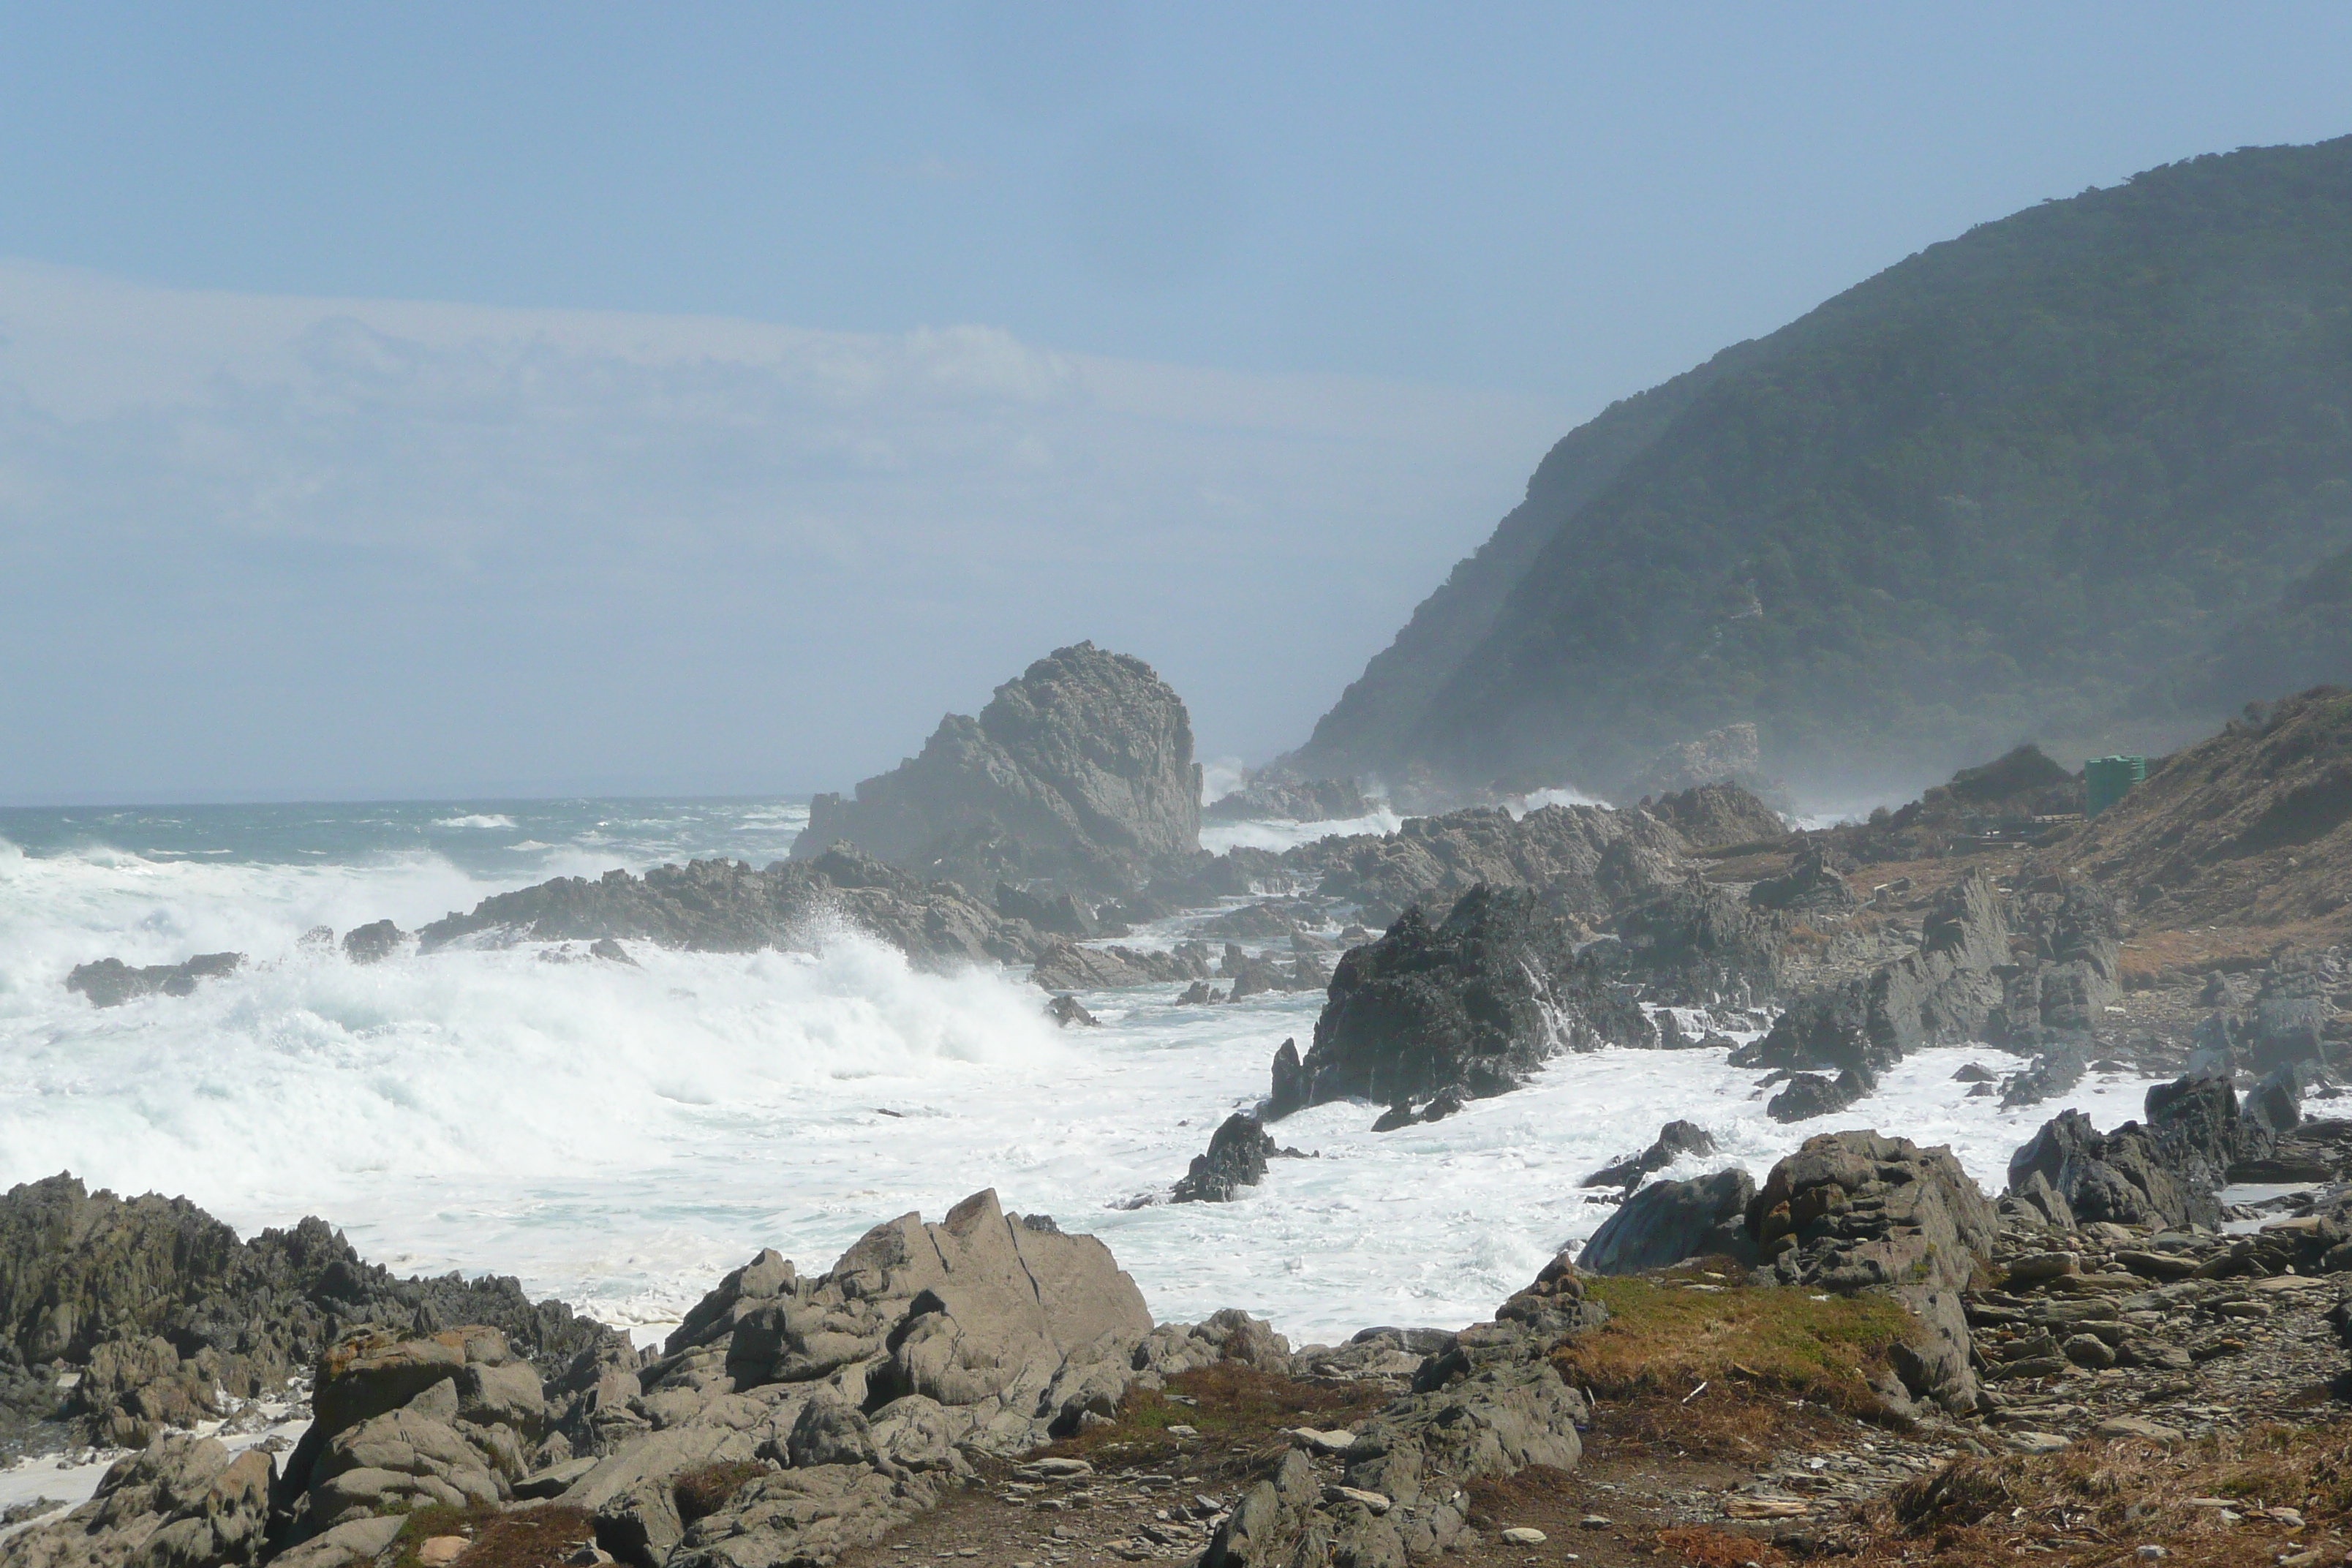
1066 1010
1810 1094
1056 914
725 906
1667 1222
1235 1159
1675 1140
1289 1083
110 982
1474 1005
1066 966
2053 1072
372 943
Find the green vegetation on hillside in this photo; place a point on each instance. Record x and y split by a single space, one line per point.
2052 474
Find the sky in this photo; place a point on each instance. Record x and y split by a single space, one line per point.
419 400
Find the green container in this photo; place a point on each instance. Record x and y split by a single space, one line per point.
2106 780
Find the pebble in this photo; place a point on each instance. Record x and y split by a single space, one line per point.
2038 1442
1524 1535
1594 1522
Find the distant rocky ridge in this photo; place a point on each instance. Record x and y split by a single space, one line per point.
1078 776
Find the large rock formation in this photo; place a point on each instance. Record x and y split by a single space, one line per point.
1468 1008
866 1385
1853 1211
186 1502
1291 800
1078 775
163 1309
2163 1171
1942 993
1432 860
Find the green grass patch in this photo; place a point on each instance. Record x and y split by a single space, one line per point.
1664 1338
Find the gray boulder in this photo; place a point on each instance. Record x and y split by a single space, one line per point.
1666 1222
1078 775
182 1503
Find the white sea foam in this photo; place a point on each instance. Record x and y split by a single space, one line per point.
478 819
621 1136
1217 837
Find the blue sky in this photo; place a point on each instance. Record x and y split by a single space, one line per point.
1332 277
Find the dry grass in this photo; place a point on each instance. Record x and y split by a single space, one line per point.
1712 1548
2097 1503
1665 1339
528 1538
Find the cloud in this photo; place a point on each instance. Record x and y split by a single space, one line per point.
262 544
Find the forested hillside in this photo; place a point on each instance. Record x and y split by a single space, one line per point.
2081 471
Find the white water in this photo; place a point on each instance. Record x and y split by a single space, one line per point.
619 1137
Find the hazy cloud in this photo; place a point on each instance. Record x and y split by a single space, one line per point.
281 544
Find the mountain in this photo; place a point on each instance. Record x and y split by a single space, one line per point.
2083 474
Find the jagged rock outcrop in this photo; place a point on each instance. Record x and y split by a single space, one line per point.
1236 1158
1666 1222
110 982
1810 886
163 1308
1486 1403
1291 800
1066 966
182 1503
2163 1171
1694 944
1940 994
1430 861
447 1419
1716 815
1079 774
1470 1007
2066 952
725 906
1853 1211
868 1386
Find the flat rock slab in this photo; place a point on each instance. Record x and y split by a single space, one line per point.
2038 1442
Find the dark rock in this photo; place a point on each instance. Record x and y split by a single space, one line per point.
612 951
1666 1222
1675 1140
372 943
2053 1072
1476 1004
168 1306
1976 1073
1289 1088
1079 774
110 982
1810 1094
2163 1172
1235 1159
1065 1010
2066 951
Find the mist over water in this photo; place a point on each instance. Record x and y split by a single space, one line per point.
620 1136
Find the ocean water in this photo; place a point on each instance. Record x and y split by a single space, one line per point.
619 1137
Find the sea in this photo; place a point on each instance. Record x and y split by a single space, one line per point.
620 1136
